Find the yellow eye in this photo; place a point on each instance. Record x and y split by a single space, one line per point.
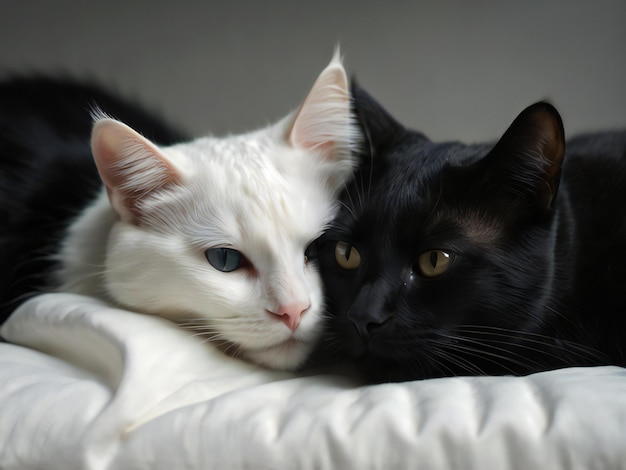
347 256
434 263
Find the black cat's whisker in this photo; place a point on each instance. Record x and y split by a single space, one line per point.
504 332
350 211
370 152
570 322
438 358
463 362
500 352
443 344
364 192
485 350
332 343
498 359
371 175
435 358
358 193
349 195
550 342
437 202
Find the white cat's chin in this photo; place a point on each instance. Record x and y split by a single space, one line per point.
287 355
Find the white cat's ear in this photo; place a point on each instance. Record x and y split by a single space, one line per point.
130 166
324 122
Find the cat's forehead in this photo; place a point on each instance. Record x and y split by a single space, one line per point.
234 153
415 167
408 189
265 225
247 192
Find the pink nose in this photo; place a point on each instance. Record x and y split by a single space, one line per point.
291 314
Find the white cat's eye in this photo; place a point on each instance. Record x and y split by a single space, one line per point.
434 263
225 259
347 256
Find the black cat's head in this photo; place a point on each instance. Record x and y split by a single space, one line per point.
440 261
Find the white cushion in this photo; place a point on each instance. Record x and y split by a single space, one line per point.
87 386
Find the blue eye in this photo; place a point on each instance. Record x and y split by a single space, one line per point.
225 259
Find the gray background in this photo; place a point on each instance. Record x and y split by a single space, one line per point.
452 69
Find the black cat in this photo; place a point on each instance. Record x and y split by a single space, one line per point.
47 172
451 259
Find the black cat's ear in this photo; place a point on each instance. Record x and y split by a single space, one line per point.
378 127
530 153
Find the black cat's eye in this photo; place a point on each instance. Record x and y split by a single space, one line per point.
311 252
225 259
434 263
347 256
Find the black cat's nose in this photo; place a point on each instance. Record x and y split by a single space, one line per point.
369 311
367 329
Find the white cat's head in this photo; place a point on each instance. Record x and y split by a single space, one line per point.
213 233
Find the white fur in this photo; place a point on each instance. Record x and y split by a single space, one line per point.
268 194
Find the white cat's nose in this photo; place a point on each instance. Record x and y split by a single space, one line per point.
291 314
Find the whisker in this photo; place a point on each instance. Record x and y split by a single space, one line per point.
499 360
433 358
462 362
350 211
501 353
547 341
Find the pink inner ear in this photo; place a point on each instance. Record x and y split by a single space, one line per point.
323 120
130 166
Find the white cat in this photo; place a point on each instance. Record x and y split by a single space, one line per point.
212 233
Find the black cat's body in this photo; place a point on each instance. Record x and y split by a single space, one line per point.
47 173
452 259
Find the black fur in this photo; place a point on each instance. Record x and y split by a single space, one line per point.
47 174
536 281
